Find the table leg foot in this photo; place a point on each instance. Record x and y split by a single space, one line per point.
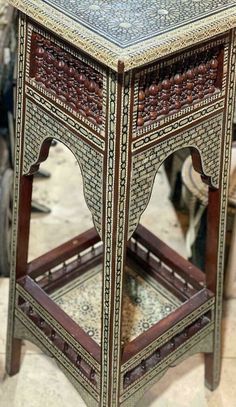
13 357
212 371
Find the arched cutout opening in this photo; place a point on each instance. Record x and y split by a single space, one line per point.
65 251
62 193
161 216
175 208
157 249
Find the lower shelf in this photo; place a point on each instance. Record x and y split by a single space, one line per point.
145 302
166 308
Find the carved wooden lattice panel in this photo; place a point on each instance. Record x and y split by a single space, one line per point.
174 86
77 85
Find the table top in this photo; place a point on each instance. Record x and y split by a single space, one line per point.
132 32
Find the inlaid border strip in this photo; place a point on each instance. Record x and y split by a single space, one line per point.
150 378
58 354
65 335
224 185
76 127
133 362
148 140
144 52
16 187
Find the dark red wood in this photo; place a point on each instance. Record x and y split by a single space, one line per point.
74 356
171 87
65 274
138 258
62 253
146 338
213 215
183 267
156 358
16 357
60 316
72 81
23 225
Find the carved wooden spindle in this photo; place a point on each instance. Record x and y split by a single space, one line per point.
143 365
99 94
178 81
184 85
86 106
30 310
199 323
41 322
166 85
65 347
49 64
153 90
202 69
52 335
72 96
60 65
141 105
172 343
186 333
190 84
81 85
146 104
39 59
91 88
92 374
78 86
213 73
127 379
78 361
158 354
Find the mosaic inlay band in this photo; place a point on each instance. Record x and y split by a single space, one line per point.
144 52
128 22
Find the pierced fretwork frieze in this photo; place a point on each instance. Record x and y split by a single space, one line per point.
205 138
41 127
198 341
178 84
75 84
164 351
80 363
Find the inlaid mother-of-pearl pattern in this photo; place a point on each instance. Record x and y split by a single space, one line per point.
128 22
144 303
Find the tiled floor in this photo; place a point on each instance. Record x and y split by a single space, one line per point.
40 382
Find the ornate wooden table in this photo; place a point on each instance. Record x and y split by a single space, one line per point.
123 85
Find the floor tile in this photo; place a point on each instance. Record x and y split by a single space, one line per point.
39 383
